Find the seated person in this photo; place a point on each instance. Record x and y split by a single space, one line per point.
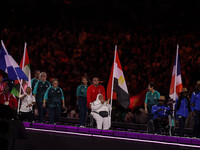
27 102
100 112
160 115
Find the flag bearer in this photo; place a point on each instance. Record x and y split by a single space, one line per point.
182 109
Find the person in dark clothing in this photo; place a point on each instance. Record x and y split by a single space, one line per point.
182 109
160 115
195 107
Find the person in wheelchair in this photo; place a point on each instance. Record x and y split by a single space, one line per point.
160 116
100 111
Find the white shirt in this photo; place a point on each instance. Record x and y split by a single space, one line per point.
97 106
29 99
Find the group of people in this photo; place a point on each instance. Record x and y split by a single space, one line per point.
160 112
41 95
92 99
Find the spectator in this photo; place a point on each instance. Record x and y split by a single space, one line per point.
2 84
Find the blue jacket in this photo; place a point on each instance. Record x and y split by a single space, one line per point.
183 109
195 101
160 114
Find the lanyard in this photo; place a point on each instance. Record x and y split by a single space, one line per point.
8 97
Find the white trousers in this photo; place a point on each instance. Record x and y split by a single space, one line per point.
102 123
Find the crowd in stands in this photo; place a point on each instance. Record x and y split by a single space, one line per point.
85 46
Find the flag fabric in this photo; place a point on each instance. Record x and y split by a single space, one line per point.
25 66
117 84
137 100
176 81
9 65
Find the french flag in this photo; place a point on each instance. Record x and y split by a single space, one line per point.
176 81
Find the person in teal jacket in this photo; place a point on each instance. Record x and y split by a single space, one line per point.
54 98
151 99
81 94
39 91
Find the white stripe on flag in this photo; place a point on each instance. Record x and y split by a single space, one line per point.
119 74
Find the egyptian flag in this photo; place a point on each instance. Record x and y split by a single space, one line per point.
176 81
118 87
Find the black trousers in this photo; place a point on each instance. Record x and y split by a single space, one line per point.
82 105
26 116
181 121
197 124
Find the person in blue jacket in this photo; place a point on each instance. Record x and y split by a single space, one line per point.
54 98
182 109
195 108
160 115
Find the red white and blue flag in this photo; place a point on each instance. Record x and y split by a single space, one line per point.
176 81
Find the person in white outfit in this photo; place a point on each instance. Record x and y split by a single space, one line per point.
27 102
100 111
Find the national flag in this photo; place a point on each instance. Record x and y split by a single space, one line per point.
117 84
176 81
137 100
9 65
25 66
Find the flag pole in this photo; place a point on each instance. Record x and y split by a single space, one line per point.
21 79
112 87
113 75
174 96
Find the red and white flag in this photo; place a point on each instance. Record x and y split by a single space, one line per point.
176 81
117 88
25 66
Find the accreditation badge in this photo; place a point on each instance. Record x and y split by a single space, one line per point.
6 103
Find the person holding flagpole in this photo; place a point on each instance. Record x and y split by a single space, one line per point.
100 111
27 103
